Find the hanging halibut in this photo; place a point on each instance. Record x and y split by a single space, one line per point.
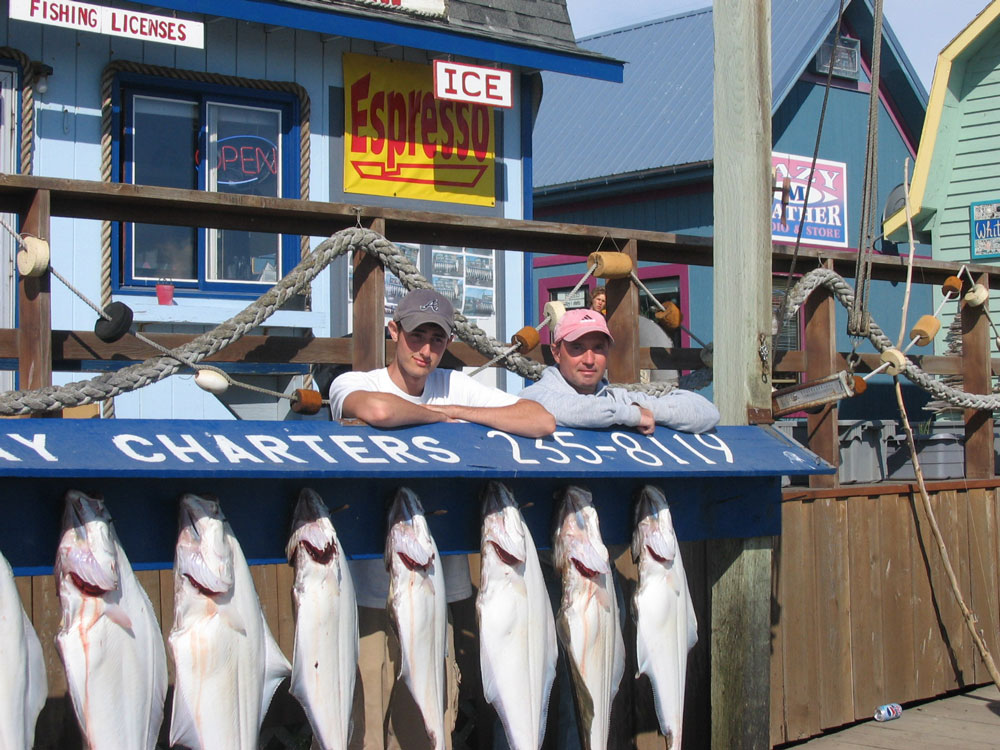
227 662
326 623
665 623
517 634
418 609
587 622
109 639
23 687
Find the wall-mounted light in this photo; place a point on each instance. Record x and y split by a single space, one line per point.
42 73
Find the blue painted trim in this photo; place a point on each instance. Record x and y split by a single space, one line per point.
406 34
527 177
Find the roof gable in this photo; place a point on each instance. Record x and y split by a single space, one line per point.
588 130
944 117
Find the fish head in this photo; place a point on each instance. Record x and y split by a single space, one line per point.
204 556
409 540
654 528
87 553
577 541
312 529
503 525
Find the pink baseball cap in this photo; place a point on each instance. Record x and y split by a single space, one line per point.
580 322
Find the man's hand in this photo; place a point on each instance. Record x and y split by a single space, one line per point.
647 423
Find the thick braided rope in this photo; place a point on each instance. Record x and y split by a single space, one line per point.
29 74
108 385
833 282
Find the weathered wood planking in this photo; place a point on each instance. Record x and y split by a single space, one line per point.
983 572
896 531
865 560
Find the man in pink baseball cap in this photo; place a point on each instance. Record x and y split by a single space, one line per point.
577 393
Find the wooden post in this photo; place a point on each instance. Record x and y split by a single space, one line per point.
976 379
34 338
821 353
740 569
368 340
623 322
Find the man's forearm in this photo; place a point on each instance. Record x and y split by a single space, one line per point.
525 418
387 410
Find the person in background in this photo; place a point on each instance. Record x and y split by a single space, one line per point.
576 391
599 300
413 391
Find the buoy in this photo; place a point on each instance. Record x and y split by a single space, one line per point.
670 317
554 312
976 296
33 257
116 325
610 265
307 401
952 285
925 330
895 359
860 385
526 338
212 381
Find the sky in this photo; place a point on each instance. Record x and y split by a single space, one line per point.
923 27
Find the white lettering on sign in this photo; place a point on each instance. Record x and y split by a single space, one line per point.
113 21
473 83
124 444
36 443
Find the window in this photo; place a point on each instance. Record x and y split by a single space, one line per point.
789 338
664 290
214 139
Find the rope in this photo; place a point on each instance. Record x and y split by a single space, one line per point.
844 294
29 74
858 322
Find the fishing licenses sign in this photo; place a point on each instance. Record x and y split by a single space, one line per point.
113 21
244 449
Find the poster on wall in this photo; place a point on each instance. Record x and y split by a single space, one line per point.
984 220
825 220
400 141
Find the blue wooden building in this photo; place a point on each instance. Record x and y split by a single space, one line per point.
281 99
640 154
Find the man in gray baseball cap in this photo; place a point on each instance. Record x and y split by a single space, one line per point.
412 391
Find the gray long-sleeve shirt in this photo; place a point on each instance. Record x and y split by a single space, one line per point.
679 410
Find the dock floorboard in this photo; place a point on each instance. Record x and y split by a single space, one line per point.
968 721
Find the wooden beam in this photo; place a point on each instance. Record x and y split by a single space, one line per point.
34 305
623 322
821 337
976 379
369 309
740 569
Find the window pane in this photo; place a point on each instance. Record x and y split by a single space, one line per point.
164 145
244 157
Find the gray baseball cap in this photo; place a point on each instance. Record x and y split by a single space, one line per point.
425 306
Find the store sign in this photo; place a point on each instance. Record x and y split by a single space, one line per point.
984 220
400 141
113 21
473 83
825 212
429 7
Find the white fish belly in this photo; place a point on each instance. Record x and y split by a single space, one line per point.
114 677
662 643
593 639
418 607
517 640
325 661
23 685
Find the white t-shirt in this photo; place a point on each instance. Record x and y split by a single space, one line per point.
371 580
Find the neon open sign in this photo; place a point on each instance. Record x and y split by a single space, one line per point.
244 159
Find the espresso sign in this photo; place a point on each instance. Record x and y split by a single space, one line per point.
113 21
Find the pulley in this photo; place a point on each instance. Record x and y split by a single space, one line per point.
609 265
976 296
307 401
33 257
116 324
527 339
554 312
211 380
